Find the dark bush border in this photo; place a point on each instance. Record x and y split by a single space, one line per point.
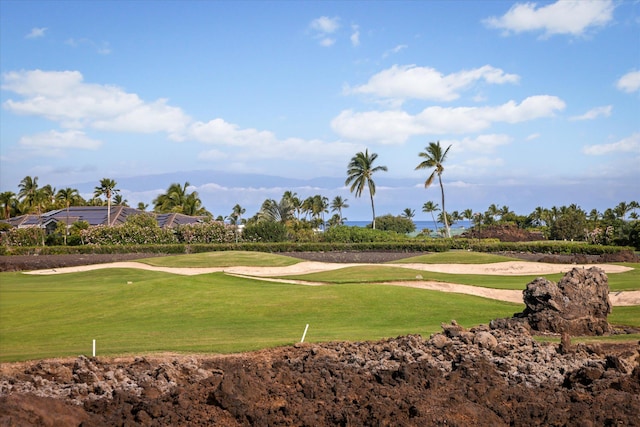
439 245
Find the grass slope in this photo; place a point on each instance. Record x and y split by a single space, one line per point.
51 316
223 259
132 311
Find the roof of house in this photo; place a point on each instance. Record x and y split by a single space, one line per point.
97 215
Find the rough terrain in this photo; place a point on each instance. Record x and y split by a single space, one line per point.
494 375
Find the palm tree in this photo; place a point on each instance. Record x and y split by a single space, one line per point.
107 188
319 206
337 204
434 157
430 207
236 215
142 206
7 198
33 197
193 205
67 197
276 211
28 191
408 213
294 200
173 200
360 174
118 200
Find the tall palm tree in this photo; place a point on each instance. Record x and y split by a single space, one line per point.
33 198
67 196
28 193
360 174
7 198
434 157
319 206
107 188
337 204
430 207
142 206
295 201
236 214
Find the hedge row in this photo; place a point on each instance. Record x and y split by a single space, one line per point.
431 245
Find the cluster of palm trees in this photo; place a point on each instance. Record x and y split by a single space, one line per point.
33 199
360 175
177 199
311 209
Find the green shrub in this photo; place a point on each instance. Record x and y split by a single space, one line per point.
399 224
264 231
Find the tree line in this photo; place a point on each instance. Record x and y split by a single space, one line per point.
310 213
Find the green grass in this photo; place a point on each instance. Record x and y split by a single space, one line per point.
455 257
223 259
60 315
628 281
51 316
380 273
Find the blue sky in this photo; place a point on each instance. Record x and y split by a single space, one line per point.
540 102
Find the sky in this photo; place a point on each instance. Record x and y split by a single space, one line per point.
539 101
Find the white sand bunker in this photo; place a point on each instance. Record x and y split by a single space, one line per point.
509 268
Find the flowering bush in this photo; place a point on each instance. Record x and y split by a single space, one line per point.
600 236
207 232
30 236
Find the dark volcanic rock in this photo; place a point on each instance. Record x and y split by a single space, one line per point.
577 305
461 377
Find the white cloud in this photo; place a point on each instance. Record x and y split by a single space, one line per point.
410 81
394 50
102 48
53 143
327 41
36 33
395 127
264 144
594 113
482 143
323 27
630 82
484 162
533 136
573 17
355 35
625 145
324 24
63 97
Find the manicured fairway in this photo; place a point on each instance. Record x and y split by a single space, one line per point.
626 281
223 259
130 311
60 315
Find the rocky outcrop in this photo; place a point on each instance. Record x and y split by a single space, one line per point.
577 305
481 376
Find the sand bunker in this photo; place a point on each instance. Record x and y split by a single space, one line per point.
509 268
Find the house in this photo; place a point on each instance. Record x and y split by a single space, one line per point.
96 215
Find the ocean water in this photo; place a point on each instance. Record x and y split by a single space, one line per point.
420 225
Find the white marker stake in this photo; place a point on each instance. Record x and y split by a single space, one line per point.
94 348
305 333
